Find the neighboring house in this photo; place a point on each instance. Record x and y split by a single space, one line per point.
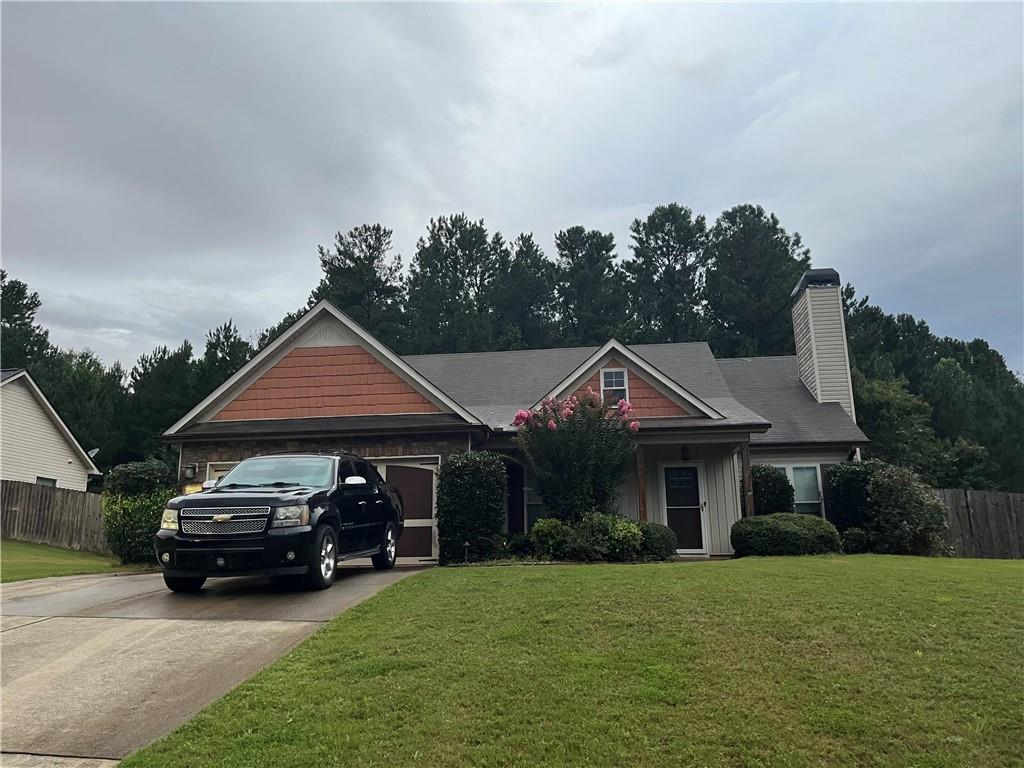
36 446
328 384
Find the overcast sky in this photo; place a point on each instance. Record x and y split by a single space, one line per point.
166 167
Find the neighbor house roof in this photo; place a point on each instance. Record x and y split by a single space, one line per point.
11 375
771 386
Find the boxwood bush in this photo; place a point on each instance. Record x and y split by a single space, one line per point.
133 499
772 490
658 543
470 506
784 533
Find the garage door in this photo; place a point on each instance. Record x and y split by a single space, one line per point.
414 479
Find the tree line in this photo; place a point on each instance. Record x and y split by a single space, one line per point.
949 409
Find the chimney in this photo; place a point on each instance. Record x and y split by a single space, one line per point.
820 333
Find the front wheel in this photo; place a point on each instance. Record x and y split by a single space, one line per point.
385 559
184 583
323 561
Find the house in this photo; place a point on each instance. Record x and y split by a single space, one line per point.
36 446
328 384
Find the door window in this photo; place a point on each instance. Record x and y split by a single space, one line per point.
682 506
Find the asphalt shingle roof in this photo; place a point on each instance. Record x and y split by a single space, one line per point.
771 386
7 373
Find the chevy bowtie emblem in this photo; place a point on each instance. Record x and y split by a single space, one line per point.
221 518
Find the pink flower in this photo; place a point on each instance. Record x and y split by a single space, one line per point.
552 425
522 417
634 426
625 409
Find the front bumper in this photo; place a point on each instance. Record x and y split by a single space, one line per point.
208 556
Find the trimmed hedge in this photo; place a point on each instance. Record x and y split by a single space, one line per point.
470 507
659 541
772 490
134 496
784 533
899 515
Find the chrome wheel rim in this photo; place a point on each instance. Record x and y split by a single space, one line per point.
391 545
328 559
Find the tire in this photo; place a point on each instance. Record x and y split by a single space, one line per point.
184 583
323 559
385 559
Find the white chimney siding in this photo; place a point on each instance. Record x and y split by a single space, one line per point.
819 330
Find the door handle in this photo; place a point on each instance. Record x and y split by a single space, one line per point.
379 501
362 503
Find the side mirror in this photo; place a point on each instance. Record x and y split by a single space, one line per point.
355 480
208 484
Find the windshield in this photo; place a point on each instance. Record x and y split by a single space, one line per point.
281 471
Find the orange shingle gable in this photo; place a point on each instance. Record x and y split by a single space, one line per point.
647 401
326 381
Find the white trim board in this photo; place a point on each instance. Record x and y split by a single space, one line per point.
271 353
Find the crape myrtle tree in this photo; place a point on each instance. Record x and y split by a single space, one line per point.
580 450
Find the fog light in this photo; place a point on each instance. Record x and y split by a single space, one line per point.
220 562
166 557
290 556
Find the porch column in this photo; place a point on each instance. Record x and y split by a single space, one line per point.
748 483
641 493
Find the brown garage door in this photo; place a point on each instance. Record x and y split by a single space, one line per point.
416 484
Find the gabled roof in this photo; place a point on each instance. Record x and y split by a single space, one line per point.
11 375
772 387
494 385
638 363
275 349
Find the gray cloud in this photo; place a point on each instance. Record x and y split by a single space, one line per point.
166 166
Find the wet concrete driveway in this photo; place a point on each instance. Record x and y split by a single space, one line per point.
95 667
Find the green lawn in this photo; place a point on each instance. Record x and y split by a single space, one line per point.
825 661
20 560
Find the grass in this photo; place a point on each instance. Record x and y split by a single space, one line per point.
20 560
823 661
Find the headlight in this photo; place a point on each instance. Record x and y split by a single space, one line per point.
287 517
169 521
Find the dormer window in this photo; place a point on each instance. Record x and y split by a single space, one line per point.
614 385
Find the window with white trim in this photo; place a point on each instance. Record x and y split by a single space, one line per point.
806 482
614 385
47 481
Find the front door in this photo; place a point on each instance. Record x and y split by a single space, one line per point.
684 509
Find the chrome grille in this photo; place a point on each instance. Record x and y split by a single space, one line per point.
199 521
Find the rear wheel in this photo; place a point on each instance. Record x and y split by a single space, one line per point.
323 561
184 583
385 559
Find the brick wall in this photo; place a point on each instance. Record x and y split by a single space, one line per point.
400 445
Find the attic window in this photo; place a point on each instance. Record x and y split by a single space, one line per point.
614 385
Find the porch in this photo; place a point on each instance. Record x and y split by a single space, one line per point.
692 487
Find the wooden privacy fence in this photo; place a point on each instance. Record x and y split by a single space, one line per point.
57 516
984 523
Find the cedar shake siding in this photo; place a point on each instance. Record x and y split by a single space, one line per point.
647 401
326 381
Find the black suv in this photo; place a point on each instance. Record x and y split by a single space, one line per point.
283 515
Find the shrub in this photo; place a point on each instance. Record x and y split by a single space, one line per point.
139 477
470 506
904 517
898 513
550 538
856 541
784 533
659 541
772 490
580 451
625 540
848 493
519 545
131 521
